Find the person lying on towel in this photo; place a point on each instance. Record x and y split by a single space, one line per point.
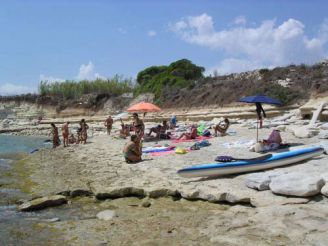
132 150
190 135
222 127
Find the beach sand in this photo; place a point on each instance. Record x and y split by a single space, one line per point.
198 211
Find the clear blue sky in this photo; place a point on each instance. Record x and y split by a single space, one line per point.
96 38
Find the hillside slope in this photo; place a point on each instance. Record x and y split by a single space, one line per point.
290 84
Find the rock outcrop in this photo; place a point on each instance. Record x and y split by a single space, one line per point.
44 202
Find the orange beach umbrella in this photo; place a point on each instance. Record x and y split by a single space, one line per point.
144 107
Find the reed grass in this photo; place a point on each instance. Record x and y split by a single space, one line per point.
71 89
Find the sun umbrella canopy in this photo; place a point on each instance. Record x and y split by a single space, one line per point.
144 107
260 99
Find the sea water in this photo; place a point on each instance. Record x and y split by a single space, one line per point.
11 149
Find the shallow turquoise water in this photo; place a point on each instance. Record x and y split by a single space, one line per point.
17 144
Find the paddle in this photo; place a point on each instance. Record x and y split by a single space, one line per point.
223 158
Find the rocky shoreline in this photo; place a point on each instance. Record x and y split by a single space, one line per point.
98 172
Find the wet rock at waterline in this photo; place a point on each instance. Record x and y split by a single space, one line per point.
44 202
106 215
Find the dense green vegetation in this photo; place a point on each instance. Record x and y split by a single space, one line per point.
178 74
71 89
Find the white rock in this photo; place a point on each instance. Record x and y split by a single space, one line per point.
106 215
302 132
261 181
324 190
323 134
324 126
297 184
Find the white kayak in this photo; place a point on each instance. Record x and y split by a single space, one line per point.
255 164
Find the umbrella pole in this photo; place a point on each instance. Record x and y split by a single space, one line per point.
257 131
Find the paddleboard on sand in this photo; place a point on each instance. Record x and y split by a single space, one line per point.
255 164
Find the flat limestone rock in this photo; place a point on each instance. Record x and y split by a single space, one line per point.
297 184
106 215
302 132
324 126
44 202
324 190
261 181
323 134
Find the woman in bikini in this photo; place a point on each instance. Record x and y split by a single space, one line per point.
139 126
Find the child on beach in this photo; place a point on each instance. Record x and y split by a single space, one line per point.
55 136
109 124
125 131
72 139
65 133
132 150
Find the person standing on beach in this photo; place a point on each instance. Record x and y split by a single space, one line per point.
65 132
109 124
132 150
55 136
259 111
84 131
139 126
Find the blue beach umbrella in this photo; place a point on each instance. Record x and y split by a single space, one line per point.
260 99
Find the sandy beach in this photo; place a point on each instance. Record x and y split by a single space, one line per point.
157 206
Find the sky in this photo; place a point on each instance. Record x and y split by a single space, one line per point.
56 40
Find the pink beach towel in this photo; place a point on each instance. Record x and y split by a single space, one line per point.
162 153
199 138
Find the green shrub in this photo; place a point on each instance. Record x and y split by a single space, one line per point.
178 74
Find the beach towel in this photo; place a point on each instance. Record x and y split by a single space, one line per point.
190 140
157 149
169 152
201 129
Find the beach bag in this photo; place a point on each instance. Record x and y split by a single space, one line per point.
204 143
180 151
195 147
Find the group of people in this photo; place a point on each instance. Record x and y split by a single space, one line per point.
133 149
82 134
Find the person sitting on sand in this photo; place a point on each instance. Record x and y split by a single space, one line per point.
84 131
109 124
55 136
190 135
132 150
159 129
72 139
273 142
222 129
125 131
65 133
139 126
79 135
